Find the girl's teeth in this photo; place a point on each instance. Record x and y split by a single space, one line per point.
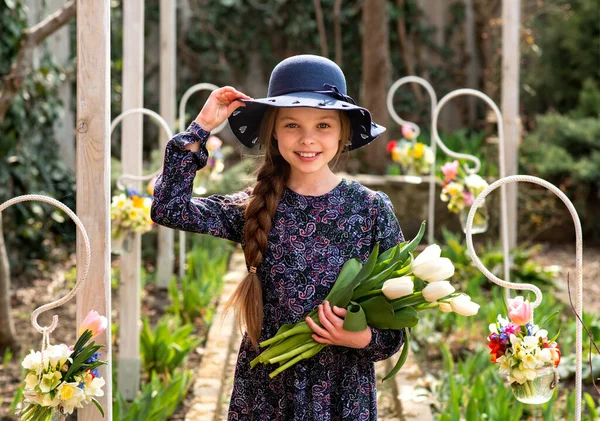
307 155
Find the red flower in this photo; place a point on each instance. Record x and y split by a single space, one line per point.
497 348
391 145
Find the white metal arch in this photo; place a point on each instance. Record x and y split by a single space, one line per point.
503 209
161 122
578 265
416 128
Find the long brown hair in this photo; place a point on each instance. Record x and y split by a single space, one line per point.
271 179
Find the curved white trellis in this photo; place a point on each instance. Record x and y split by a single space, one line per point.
46 330
417 130
161 122
184 100
503 208
578 265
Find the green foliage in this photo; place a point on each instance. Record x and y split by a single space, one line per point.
164 348
206 265
29 159
566 152
157 400
564 53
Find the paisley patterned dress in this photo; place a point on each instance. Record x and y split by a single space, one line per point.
310 239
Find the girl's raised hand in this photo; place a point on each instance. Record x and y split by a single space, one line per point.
333 332
219 106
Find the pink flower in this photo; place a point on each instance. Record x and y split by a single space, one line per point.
408 132
468 196
519 310
213 143
450 170
512 328
94 323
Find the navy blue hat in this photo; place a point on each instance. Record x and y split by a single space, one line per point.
305 81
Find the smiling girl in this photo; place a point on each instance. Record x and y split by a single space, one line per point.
297 227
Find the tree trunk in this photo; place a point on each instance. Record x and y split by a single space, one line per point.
7 328
376 74
321 25
10 84
407 56
337 24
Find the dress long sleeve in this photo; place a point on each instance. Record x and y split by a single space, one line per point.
174 206
385 343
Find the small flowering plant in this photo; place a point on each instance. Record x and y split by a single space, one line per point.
130 213
524 353
412 156
214 166
60 378
460 190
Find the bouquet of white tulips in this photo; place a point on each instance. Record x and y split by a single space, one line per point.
387 292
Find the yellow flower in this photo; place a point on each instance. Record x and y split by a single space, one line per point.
138 202
454 189
395 154
133 214
418 150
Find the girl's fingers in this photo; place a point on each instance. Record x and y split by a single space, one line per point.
325 320
321 340
340 311
316 328
333 319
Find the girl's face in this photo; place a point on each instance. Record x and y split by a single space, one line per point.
308 138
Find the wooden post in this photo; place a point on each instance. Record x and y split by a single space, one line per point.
510 106
131 158
168 26
93 176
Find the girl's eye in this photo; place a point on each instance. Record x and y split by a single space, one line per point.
291 125
324 126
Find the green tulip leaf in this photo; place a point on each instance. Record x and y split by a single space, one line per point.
406 317
342 289
355 320
379 312
401 360
369 265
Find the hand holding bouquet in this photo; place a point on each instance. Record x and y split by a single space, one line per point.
61 378
387 292
525 354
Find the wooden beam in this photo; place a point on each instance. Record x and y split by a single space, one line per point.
131 159
93 176
511 11
168 35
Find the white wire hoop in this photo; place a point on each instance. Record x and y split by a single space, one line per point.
578 264
433 99
161 122
205 86
500 127
435 134
46 330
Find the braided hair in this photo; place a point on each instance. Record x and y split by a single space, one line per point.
260 207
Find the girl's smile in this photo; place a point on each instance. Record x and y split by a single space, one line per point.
308 139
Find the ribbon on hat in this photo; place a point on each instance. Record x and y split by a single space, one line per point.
335 92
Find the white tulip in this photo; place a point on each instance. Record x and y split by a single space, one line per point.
445 307
430 267
434 291
463 305
398 287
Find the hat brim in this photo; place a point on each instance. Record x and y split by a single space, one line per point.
245 121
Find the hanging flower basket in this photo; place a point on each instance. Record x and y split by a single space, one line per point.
538 390
412 159
460 190
121 243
